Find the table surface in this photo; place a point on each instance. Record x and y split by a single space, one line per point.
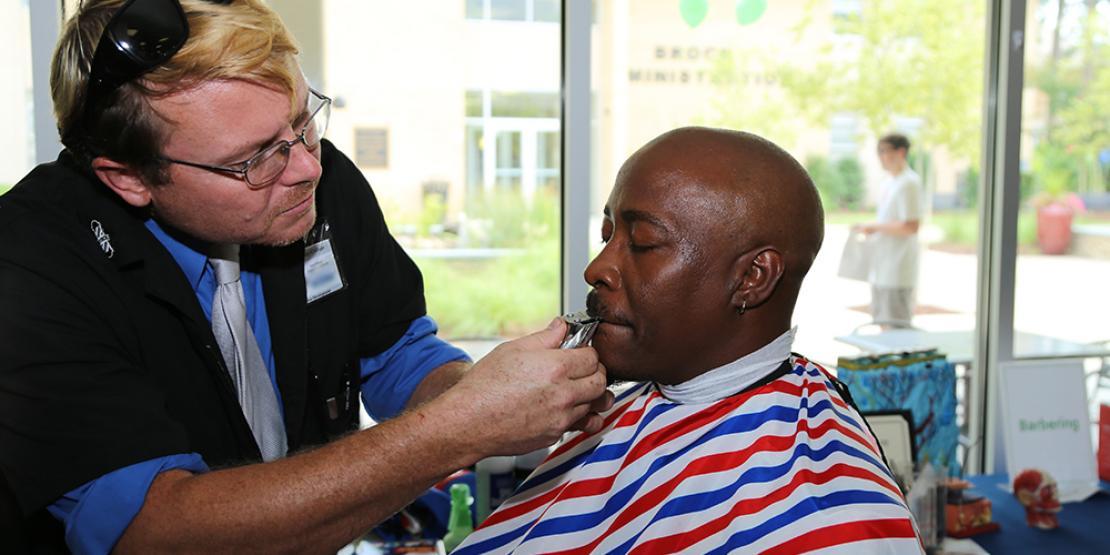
1084 526
959 345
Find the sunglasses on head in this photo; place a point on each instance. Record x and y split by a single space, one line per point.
142 35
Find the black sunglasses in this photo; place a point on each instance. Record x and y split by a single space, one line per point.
140 36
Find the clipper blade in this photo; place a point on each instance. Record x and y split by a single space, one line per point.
580 329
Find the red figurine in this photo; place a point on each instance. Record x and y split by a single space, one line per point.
1036 490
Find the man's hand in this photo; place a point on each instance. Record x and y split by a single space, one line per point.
866 229
526 393
889 228
521 397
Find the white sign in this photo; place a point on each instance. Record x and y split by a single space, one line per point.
1046 425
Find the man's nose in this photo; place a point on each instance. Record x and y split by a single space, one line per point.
602 271
304 165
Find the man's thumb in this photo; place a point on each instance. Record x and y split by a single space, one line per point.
548 338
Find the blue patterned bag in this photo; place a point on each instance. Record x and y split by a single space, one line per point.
922 382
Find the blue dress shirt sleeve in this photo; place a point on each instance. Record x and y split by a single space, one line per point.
96 514
390 378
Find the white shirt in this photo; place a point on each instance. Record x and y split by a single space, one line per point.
733 377
895 256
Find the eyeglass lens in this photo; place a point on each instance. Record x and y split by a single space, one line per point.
269 163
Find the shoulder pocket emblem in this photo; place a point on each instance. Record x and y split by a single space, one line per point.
103 238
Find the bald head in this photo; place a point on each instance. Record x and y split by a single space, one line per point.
709 234
758 192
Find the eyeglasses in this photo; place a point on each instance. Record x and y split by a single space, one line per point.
262 168
141 35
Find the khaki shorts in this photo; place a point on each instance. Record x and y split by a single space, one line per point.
892 306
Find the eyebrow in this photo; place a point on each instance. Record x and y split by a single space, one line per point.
247 152
637 216
631 216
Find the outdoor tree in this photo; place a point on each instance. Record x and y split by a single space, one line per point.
1074 143
894 60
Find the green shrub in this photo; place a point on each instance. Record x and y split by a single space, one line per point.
501 297
961 227
968 187
822 175
433 213
511 222
851 183
511 294
958 227
840 184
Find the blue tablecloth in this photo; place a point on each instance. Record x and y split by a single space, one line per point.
1084 527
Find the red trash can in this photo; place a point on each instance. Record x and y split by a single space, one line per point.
1054 228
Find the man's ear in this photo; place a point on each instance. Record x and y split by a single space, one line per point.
123 180
758 272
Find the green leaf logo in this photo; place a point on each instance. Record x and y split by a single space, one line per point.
749 11
693 11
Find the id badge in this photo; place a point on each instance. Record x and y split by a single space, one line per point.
321 269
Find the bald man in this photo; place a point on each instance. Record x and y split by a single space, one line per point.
725 441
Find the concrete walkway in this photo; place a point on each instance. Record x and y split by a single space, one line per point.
1059 296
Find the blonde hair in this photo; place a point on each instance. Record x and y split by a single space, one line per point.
242 40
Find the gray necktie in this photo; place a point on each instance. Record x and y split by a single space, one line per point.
243 357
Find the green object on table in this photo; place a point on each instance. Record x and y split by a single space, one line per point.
459 524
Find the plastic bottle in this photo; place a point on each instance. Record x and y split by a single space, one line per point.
459 523
495 484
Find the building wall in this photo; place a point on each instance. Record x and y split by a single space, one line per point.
17 142
406 70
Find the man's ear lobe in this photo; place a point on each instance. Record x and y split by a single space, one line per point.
123 180
759 275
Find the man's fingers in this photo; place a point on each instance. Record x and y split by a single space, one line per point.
548 338
591 423
585 390
603 403
582 363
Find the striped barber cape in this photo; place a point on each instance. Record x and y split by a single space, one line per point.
784 467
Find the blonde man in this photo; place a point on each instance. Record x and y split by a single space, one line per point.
202 282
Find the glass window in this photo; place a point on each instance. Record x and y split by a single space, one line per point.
548 150
1063 259
525 105
546 10
825 84
459 186
514 10
17 143
475 9
508 168
511 10
474 158
474 104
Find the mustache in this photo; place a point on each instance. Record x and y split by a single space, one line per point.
597 308
297 195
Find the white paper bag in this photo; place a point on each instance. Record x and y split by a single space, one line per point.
855 261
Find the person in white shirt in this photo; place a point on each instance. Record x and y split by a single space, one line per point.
893 275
